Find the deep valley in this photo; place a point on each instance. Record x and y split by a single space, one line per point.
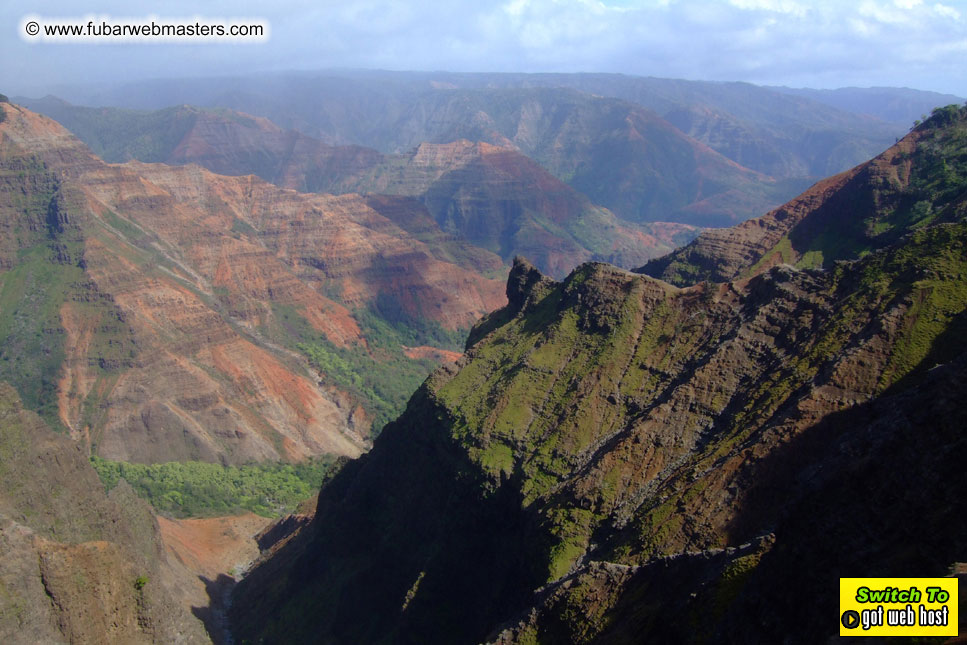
407 357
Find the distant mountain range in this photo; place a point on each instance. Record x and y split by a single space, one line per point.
896 104
361 106
641 147
493 197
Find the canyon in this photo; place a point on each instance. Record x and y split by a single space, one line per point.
764 405
612 439
147 307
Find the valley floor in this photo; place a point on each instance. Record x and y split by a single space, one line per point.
215 552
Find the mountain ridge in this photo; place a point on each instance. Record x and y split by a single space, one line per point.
621 155
741 104
610 433
805 231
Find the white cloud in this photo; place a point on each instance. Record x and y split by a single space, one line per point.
862 28
887 13
945 11
775 6
515 8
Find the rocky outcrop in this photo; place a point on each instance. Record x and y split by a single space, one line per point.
525 284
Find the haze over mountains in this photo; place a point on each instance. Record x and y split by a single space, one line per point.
642 147
265 270
492 197
893 104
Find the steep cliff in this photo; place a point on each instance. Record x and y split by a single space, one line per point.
616 458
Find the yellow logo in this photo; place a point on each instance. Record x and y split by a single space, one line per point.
898 607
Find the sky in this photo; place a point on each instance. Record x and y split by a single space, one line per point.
902 43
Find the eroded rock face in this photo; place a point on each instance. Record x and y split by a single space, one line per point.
618 458
78 566
146 292
501 200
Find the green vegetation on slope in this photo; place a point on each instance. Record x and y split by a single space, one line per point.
922 283
44 253
937 177
545 388
32 348
118 135
380 374
32 296
199 489
612 418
